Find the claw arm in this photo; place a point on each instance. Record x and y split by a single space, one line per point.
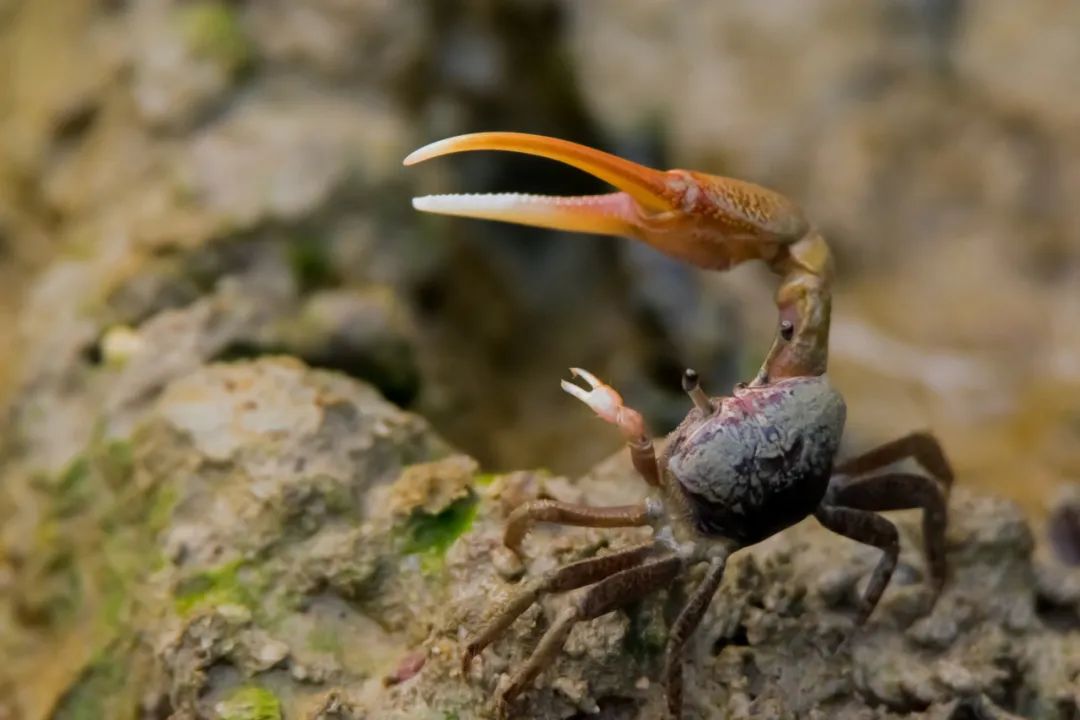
609 406
710 221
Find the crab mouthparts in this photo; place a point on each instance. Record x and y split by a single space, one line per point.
644 191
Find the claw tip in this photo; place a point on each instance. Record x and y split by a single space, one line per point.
414 157
431 150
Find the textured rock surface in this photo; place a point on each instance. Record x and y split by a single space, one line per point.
236 528
773 643
269 536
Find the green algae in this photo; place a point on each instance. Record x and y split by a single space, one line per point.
223 585
250 702
485 479
72 492
78 487
213 30
90 545
117 463
428 533
162 503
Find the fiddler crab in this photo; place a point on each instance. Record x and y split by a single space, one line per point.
738 469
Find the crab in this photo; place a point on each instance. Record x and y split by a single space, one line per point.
738 469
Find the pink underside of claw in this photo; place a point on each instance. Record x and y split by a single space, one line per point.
609 214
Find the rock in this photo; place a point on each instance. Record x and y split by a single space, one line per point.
234 527
185 58
168 325
270 536
271 160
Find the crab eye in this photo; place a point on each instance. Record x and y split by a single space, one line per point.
787 329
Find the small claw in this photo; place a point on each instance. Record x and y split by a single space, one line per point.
604 400
576 390
587 377
606 403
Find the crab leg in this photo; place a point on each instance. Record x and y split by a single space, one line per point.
710 221
611 593
567 577
528 514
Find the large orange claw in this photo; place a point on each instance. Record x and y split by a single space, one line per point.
710 221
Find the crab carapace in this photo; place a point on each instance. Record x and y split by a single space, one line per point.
738 469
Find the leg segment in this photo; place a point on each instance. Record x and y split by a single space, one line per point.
568 577
608 404
921 446
616 590
684 627
866 527
900 491
526 514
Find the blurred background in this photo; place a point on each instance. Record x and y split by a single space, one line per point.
209 179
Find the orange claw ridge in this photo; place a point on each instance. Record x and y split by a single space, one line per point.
710 221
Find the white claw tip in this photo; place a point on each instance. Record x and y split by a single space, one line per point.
575 390
587 376
431 150
418 155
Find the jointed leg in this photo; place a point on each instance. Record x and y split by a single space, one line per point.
684 627
871 529
526 514
616 590
901 491
921 446
608 404
568 577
